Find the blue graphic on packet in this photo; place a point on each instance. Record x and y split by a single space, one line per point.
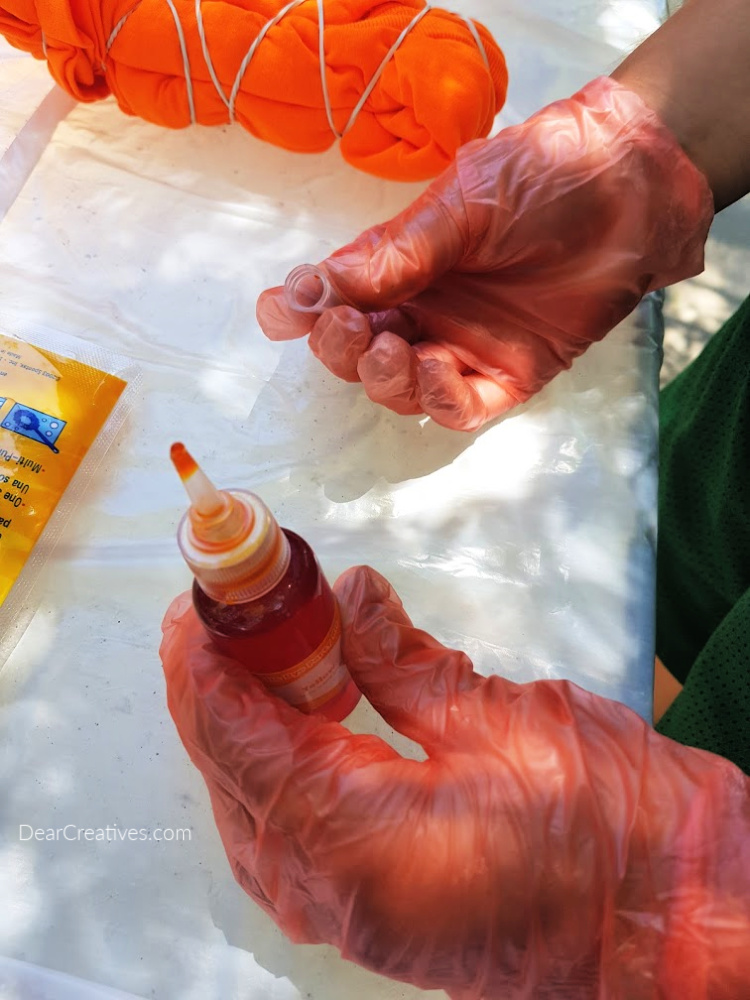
34 424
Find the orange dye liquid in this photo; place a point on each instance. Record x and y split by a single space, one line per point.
183 461
283 628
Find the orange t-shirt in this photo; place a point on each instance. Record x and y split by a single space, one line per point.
435 93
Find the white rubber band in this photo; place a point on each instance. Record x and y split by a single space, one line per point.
231 101
379 71
185 60
477 38
207 54
118 27
253 49
324 69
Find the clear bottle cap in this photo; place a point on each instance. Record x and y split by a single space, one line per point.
308 289
229 538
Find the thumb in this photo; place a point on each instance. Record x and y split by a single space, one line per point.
384 267
411 679
392 262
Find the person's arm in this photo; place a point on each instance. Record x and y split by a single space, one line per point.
694 72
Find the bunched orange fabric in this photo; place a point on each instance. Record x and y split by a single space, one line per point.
174 62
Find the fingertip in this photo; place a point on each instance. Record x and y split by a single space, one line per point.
189 658
277 320
444 397
388 372
460 402
179 607
348 268
181 632
339 338
360 587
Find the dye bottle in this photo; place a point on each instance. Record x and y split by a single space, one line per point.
262 596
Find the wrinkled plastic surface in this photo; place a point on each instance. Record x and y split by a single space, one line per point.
156 244
181 62
30 110
530 854
533 246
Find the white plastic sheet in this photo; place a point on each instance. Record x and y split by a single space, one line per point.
530 545
30 109
23 981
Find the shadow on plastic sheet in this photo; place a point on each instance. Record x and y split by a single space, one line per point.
317 432
224 167
317 971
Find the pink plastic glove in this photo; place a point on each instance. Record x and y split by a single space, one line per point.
532 246
551 846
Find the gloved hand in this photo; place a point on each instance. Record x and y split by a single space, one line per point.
552 844
530 247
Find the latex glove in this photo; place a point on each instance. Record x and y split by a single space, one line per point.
532 246
552 844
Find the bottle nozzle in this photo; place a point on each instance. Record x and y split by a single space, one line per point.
229 538
217 518
204 497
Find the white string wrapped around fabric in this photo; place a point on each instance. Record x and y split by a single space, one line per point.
230 100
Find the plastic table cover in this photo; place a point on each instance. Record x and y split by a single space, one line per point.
530 544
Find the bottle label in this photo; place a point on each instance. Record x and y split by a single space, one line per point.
316 679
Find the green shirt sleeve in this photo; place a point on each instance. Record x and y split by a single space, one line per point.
713 709
703 555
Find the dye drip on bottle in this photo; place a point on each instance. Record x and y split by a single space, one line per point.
262 596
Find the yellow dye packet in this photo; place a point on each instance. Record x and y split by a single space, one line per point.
62 401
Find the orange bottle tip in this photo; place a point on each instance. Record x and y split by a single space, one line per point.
205 499
183 461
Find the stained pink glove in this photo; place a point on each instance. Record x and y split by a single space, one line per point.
552 844
532 246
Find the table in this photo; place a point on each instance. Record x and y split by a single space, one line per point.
530 545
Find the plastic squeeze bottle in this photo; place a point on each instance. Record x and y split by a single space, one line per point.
261 595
